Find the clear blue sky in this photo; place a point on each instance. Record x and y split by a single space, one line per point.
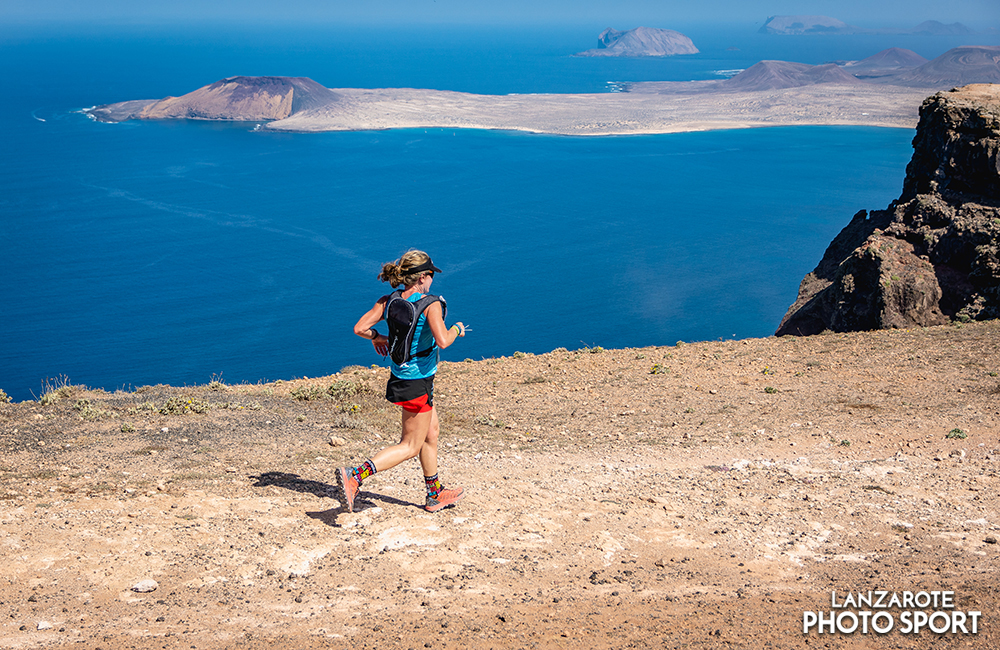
977 14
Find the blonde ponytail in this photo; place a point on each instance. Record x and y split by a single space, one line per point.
396 273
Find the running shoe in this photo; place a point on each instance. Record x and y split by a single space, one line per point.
444 498
350 486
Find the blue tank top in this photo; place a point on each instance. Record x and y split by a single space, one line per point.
423 338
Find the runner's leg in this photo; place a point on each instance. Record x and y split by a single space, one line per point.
429 450
415 426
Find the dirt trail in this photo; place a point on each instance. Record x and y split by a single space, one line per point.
697 495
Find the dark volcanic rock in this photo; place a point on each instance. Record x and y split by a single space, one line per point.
641 41
956 146
234 98
933 255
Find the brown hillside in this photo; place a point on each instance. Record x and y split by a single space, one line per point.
250 99
771 75
956 67
244 98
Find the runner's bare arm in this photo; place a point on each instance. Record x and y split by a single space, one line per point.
365 327
443 336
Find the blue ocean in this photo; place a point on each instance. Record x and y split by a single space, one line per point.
178 252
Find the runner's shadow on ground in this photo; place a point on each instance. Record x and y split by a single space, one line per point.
296 483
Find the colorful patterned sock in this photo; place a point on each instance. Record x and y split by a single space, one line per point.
363 471
433 486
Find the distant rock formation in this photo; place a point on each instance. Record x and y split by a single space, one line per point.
807 25
892 67
898 67
934 28
827 25
934 254
234 98
641 41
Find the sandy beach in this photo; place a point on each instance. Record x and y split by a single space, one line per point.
647 108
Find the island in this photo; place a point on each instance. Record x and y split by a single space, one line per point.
807 25
641 41
770 93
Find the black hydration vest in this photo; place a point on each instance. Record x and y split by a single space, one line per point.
401 315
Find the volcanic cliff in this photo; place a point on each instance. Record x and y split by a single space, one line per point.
932 256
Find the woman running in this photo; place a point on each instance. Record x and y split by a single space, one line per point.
413 357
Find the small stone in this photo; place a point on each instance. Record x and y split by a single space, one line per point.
990 540
336 441
44 625
41 443
145 586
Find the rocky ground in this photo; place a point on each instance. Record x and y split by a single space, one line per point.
696 495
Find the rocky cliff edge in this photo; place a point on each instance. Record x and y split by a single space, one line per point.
932 256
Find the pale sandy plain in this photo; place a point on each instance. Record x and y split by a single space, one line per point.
647 108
